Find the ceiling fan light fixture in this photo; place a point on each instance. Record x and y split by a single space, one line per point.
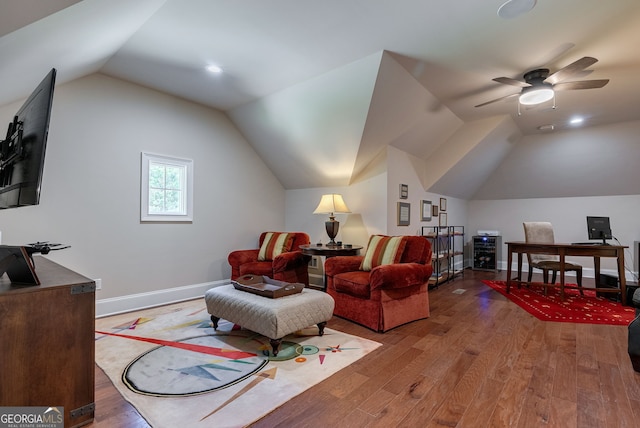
536 95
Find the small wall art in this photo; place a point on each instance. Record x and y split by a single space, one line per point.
404 213
443 204
442 220
404 191
425 211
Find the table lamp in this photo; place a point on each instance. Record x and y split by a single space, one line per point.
331 204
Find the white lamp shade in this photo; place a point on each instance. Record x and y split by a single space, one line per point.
331 203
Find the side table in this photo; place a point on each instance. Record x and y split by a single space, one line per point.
328 252
323 250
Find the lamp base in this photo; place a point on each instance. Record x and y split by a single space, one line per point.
332 227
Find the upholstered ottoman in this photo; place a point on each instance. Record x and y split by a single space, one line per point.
273 318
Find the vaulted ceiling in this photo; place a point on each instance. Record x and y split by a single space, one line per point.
319 88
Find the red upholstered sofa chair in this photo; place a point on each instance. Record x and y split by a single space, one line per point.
278 258
388 295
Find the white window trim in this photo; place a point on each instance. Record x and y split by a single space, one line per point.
145 215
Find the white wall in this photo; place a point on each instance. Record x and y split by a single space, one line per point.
568 216
91 189
408 169
364 199
373 202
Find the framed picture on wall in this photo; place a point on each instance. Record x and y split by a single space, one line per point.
434 210
442 220
404 213
425 211
404 191
443 204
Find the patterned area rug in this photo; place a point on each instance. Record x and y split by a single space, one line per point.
171 365
588 309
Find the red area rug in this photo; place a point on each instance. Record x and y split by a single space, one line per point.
587 309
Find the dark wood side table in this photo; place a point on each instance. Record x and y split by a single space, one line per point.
323 250
328 252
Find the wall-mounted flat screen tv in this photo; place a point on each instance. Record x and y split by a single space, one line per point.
22 151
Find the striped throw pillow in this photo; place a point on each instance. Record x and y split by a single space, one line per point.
383 250
274 244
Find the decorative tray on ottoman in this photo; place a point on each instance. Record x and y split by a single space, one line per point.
267 287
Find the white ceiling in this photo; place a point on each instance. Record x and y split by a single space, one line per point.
453 48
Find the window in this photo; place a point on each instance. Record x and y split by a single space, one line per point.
166 188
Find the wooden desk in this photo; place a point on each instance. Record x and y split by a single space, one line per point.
564 250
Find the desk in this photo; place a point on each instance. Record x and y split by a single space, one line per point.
563 250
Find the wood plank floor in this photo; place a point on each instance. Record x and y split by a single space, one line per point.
479 361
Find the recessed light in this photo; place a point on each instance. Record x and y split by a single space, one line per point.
548 127
514 8
576 120
214 69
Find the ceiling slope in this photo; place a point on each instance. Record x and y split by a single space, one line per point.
309 87
309 134
598 161
403 113
467 159
77 41
326 131
17 14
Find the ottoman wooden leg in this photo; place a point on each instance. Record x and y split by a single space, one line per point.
321 328
215 320
275 345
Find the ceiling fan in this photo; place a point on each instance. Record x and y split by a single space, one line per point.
540 86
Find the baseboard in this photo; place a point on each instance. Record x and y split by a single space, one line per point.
134 302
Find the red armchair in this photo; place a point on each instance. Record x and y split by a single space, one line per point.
289 266
386 296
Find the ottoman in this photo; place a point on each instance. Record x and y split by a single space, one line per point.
273 318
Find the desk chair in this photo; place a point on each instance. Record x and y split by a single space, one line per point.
541 232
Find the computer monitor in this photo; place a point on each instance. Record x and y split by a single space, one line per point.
599 228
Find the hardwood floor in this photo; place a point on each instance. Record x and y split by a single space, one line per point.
478 361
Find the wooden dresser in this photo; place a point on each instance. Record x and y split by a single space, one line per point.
47 348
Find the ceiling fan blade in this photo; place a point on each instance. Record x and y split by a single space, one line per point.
497 99
512 82
570 70
582 84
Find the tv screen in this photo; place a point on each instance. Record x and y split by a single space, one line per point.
22 151
599 228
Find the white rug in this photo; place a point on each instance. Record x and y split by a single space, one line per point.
177 371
